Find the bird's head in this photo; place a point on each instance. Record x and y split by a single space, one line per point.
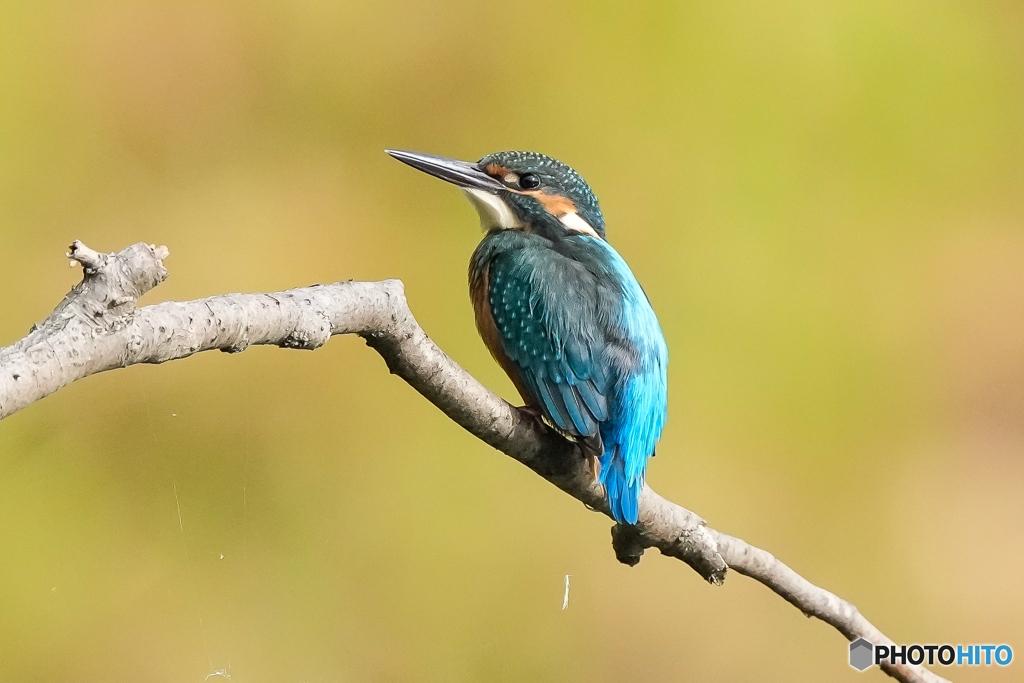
519 191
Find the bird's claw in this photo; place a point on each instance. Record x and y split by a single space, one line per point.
531 411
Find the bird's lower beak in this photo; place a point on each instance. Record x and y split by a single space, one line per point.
461 173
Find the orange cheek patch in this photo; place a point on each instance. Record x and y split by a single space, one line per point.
554 204
496 170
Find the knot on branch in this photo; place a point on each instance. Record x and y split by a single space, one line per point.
698 547
129 273
311 332
112 283
628 543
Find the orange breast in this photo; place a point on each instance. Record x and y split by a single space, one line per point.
479 292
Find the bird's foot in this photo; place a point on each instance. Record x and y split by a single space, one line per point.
532 411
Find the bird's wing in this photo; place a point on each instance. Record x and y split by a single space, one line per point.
546 310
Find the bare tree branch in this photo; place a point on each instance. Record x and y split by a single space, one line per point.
98 327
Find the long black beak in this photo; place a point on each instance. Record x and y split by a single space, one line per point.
461 173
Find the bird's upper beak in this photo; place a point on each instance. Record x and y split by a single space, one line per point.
461 173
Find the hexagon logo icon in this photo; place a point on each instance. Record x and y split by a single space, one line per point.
862 654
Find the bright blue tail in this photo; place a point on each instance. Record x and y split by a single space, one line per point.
623 494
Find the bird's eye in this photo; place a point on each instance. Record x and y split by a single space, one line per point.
529 181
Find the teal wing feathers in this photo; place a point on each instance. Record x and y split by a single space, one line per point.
545 331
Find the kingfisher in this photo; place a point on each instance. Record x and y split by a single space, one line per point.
563 314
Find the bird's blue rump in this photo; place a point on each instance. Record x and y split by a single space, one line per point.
640 401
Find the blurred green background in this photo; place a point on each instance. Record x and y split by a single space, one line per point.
824 201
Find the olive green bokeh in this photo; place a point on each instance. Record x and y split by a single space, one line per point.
824 201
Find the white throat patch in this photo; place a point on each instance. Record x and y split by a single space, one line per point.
494 213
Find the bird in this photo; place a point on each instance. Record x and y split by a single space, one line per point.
563 314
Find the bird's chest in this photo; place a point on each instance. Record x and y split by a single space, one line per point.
480 295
